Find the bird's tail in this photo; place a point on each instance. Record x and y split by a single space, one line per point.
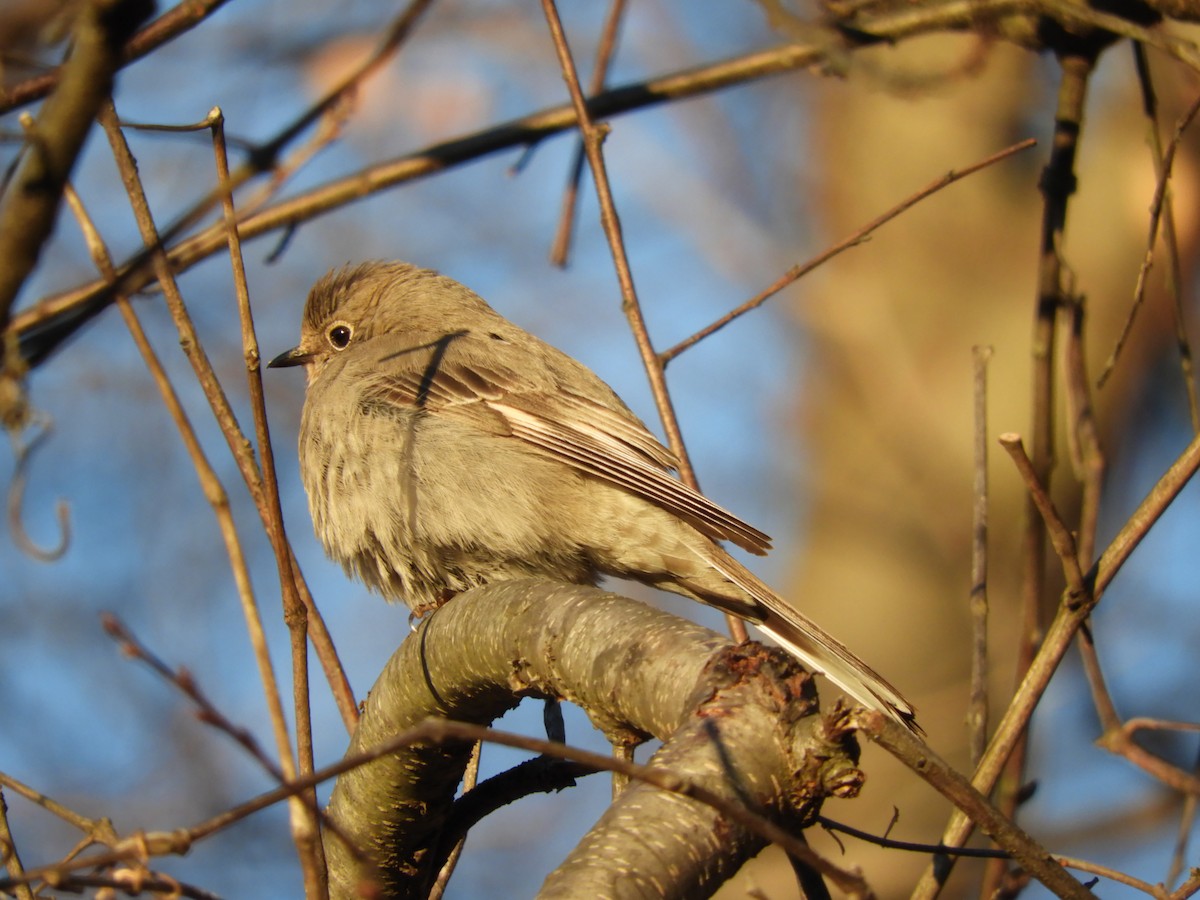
816 648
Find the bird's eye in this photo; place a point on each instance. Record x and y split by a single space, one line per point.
339 336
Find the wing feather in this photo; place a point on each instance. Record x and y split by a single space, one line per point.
583 433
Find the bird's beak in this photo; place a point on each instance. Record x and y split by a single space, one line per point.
293 357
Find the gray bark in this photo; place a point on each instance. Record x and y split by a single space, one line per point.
739 721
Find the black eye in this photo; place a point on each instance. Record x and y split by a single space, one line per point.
339 336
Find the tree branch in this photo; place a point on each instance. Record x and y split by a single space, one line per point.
30 204
742 725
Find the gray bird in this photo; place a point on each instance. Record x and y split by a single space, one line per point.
443 448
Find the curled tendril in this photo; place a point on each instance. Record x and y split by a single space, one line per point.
40 426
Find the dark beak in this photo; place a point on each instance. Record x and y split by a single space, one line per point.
293 357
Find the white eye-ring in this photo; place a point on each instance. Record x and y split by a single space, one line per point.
339 336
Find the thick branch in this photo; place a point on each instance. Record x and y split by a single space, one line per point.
743 726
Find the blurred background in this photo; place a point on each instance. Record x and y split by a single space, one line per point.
837 417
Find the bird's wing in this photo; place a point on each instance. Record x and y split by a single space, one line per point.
573 429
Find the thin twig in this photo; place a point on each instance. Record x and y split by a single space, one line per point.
1183 835
306 833
99 830
1060 535
132 882
858 237
1120 742
1083 865
23 450
1087 457
183 680
1160 213
470 781
1083 432
9 853
902 744
206 711
213 490
263 158
1174 273
911 846
179 19
1188 889
977 704
1106 709
561 248
593 136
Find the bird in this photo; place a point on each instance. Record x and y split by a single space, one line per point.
442 447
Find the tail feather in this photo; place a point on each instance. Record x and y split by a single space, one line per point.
815 647
824 654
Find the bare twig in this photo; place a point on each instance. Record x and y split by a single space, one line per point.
1120 742
1183 835
23 450
307 832
604 53
977 705
183 680
1083 432
394 36
100 830
1188 889
858 237
141 270
593 136
9 854
1161 213
1087 457
1060 535
206 711
902 744
1069 619
1083 865
911 846
132 881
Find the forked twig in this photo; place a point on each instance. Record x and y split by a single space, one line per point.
183 680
